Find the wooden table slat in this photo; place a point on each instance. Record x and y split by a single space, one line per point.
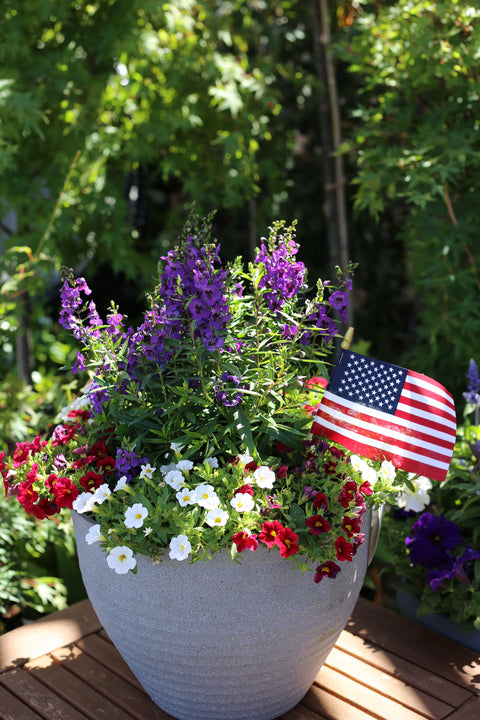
104 652
407 638
11 708
46 702
387 685
84 698
405 670
108 683
391 707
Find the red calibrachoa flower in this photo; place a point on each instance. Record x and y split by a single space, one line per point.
99 449
245 541
106 464
91 480
80 414
365 488
270 531
287 542
244 489
351 525
21 454
317 524
328 569
65 492
45 507
344 549
27 496
347 493
320 501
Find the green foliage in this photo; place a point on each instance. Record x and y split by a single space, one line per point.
115 88
416 139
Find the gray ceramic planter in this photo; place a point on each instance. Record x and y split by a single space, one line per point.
216 640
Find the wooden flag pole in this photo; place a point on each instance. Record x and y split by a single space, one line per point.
347 340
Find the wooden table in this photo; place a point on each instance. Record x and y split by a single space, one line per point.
63 667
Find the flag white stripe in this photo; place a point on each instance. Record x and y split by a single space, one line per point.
386 417
385 446
371 427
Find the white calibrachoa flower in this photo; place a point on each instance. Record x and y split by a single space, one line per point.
419 498
121 484
187 497
147 471
101 494
176 447
135 515
387 471
180 548
93 535
212 462
242 502
175 479
217 518
264 477
207 497
121 559
84 503
184 465
244 459
368 473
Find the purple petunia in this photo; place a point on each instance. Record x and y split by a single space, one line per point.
441 578
432 538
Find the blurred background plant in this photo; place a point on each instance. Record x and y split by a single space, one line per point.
38 570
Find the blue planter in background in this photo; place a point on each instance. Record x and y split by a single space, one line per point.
408 605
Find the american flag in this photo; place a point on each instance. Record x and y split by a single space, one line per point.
385 412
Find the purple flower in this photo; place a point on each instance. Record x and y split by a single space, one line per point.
473 396
223 395
326 325
79 363
432 538
128 463
339 301
473 378
283 277
442 578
